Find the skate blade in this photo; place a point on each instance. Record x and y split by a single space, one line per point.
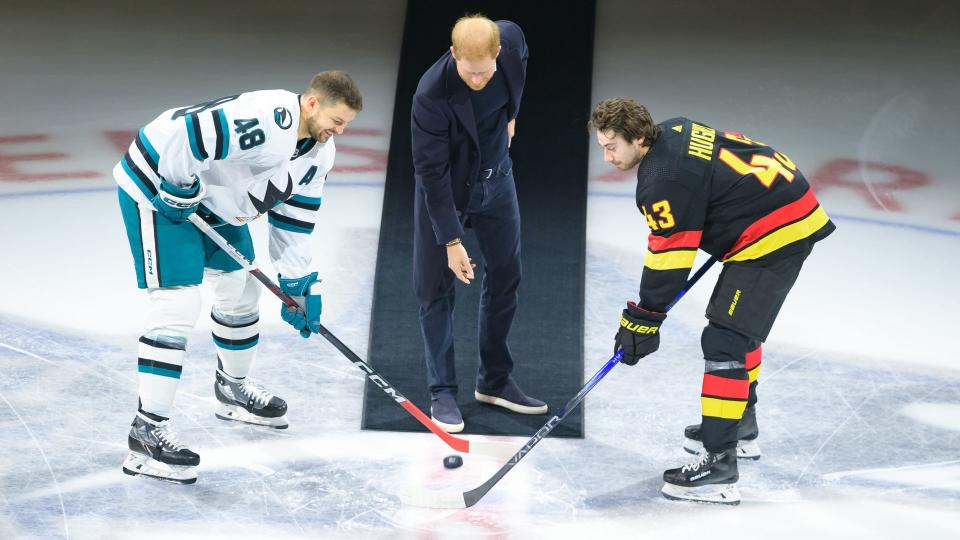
142 465
712 493
745 449
236 414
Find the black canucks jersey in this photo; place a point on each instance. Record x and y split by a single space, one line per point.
719 191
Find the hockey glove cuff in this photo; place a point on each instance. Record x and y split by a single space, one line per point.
178 203
306 291
639 333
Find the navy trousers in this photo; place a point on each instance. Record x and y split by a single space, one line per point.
494 215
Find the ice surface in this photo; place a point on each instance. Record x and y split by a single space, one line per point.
859 394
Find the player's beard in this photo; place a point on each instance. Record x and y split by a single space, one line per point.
318 133
630 163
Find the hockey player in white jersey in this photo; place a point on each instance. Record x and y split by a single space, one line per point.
230 160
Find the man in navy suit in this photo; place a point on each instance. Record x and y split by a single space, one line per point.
464 113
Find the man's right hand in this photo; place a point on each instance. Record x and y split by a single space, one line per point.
459 262
176 203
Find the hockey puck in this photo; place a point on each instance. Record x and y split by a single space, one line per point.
452 462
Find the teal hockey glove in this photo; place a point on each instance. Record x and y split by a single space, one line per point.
178 203
306 291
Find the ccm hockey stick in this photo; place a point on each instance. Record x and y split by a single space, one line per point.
452 499
495 449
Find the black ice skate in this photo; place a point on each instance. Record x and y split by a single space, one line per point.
243 400
155 452
747 433
712 479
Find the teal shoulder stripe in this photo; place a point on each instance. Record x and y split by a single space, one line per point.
287 226
150 149
223 134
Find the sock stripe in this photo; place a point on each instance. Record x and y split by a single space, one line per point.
722 408
169 356
155 367
236 344
725 388
753 358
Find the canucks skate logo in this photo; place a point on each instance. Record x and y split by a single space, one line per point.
282 117
272 196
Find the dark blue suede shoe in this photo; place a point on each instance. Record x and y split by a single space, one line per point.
445 413
511 397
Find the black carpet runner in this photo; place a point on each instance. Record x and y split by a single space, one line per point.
550 166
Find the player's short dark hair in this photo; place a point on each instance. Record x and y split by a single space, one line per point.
335 86
624 117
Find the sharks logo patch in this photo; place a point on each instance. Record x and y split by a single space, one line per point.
272 196
282 117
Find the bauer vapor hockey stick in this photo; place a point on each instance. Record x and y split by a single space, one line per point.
495 449
452 499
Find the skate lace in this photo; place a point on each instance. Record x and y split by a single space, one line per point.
704 457
167 436
256 392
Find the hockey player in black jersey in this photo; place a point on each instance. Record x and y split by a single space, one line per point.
747 205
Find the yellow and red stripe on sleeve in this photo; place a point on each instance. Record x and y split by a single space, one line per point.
722 397
783 226
676 251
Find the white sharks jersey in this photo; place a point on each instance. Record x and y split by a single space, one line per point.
244 149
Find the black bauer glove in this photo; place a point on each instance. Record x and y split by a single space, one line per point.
639 333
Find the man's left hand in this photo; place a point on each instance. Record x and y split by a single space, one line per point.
511 125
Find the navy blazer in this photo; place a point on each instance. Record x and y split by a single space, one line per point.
446 152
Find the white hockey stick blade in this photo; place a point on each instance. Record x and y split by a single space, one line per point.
432 499
500 450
